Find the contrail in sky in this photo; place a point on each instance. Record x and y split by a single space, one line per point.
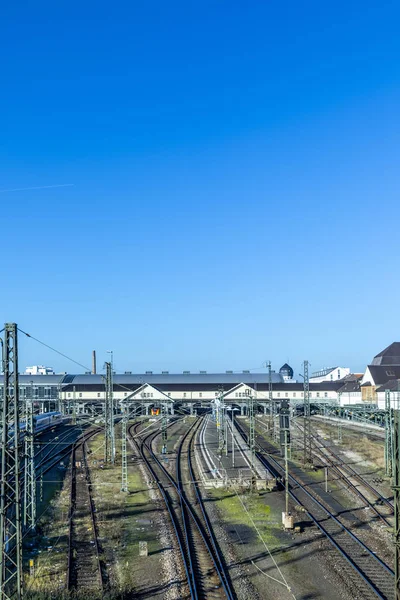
38 187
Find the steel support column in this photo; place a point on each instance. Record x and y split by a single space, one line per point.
124 474
11 580
396 498
109 450
29 515
388 436
307 457
252 437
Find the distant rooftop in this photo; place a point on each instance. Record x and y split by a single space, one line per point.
388 356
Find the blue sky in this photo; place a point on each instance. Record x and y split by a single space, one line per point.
235 174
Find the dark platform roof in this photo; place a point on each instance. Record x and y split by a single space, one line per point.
388 356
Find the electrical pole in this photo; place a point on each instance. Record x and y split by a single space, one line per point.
11 579
307 458
124 478
396 498
252 438
29 519
220 415
388 436
74 405
109 417
271 409
164 427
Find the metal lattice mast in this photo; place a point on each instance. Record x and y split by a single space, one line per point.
74 405
11 580
252 437
388 436
396 498
29 515
271 410
307 458
220 419
108 422
164 427
124 479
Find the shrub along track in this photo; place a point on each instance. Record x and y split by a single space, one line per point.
204 566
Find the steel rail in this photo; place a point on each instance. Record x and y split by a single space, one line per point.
171 512
81 442
212 549
351 473
278 470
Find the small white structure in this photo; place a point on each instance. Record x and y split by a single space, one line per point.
39 370
329 374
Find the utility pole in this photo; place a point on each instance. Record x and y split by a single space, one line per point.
11 579
29 515
307 458
388 436
124 478
109 417
396 498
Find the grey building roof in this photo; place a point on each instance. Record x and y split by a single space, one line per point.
176 378
39 379
393 386
388 356
350 386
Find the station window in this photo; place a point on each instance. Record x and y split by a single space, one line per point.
279 394
184 394
80 394
325 394
236 395
301 394
317 394
294 394
286 395
200 395
69 395
216 394
98 394
126 393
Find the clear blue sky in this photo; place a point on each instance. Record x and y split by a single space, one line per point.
235 171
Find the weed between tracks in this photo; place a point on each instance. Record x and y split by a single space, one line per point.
123 519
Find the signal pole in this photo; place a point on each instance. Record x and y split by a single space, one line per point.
29 515
307 458
124 478
11 579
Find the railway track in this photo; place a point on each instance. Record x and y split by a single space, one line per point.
369 575
380 505
85 577
204 566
